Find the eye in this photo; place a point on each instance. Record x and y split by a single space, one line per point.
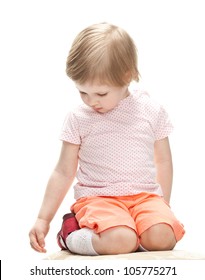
82 93
102 94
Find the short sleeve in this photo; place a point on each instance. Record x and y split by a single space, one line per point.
70 130
163 126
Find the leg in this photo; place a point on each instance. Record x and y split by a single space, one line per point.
159 237
157 226
116 240
106 227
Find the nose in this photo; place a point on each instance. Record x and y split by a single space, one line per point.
92 101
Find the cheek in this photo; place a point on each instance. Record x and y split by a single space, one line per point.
84 99
111 103
115 100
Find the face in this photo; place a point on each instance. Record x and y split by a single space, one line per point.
102 98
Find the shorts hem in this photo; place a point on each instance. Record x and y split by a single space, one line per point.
176 227
101 228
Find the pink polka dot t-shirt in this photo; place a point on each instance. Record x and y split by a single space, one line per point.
116 156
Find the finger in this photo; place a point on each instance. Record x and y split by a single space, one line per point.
41 240
35 244
37 247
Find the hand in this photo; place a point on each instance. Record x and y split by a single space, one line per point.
37 235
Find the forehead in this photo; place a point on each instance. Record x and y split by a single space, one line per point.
93 87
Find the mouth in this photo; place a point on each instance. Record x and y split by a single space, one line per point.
97 109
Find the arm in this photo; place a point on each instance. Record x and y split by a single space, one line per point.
163 163
57 187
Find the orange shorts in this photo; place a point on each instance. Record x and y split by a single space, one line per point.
138 212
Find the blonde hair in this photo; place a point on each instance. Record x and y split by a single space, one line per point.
104 53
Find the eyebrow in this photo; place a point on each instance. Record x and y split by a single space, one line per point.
101 93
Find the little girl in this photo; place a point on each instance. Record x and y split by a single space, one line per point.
117 142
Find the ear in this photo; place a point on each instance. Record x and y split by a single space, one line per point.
128 77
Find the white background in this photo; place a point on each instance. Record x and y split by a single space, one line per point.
35 96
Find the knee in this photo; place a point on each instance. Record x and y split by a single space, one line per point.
159 237
122 240
117 240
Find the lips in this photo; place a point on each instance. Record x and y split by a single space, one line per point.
97 109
